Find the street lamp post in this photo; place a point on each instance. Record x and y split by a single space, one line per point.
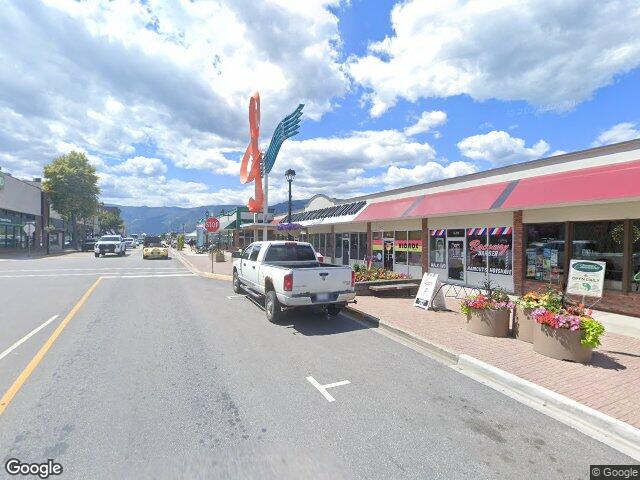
290 175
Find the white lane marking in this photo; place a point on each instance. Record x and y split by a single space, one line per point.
26 337
77 274
231 297
151 276
92 269
323 388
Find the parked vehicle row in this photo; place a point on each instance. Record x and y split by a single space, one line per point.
288 275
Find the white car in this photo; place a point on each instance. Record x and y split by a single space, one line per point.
110 244
289 275
131 242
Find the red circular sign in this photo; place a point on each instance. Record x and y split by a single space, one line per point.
212 224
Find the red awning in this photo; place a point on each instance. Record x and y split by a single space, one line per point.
465 200
608 182
386 210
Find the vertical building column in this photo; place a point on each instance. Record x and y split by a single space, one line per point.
424 238
369 241
236 239
332 249
518 253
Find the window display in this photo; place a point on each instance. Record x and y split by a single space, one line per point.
477 249
500 251
414 248
604 242
544 252
400 249
635 256
437 250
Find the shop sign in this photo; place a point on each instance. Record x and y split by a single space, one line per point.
428 292
408 245
476 250
586 278
499 250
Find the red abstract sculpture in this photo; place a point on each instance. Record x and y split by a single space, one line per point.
253 152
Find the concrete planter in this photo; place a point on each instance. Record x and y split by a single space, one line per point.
523 324
362 288
490 323
560 343
219 257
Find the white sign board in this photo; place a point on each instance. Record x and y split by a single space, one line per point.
427 291
586 278
29 228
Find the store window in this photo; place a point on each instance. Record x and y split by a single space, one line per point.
363 246
437 249
477 249
400 248
603 242
353 247
500 250
414 248
377 249
545 252
635 256
338 244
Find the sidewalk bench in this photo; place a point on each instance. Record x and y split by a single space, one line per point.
397 287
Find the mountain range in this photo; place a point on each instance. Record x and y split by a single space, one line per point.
156 220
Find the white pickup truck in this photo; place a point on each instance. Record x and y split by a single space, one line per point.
289 275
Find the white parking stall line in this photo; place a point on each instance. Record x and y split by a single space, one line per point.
92 269
152 275
231 297
99 273
323 388
26 337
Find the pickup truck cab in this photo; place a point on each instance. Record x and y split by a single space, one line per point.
289 275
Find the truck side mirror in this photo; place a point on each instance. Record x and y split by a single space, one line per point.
236 255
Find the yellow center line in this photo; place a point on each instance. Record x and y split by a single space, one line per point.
35 361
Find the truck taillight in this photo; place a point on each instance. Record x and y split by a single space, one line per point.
288 282
353 278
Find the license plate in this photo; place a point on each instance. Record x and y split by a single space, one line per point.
322 296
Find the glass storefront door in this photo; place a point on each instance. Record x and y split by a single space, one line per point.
387 253
455 257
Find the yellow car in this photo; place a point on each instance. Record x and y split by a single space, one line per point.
153 247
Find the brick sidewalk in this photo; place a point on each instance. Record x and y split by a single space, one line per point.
610 383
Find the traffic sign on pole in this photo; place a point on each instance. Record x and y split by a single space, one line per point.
212 224
29 228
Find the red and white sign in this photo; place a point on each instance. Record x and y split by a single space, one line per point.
212 224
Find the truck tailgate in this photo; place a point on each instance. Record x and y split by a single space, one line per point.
321 280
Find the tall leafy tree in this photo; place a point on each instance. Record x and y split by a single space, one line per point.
72 185
110 221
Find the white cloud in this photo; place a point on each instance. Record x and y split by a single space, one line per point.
620 132
142 167
105 77
499 148
430 171
551 54
426 122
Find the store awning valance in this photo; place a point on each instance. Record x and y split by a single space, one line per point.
387 210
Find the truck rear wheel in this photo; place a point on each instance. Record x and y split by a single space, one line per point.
272 307
333 310
96 255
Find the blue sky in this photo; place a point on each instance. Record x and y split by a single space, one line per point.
396 93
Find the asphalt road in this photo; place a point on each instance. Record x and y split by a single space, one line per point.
163 374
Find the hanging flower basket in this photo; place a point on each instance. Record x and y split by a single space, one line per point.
289 227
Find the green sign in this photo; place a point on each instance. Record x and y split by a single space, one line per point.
586 278
588 267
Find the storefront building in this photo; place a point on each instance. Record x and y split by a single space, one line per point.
20 202
518 226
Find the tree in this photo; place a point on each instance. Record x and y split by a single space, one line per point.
110 221
72 185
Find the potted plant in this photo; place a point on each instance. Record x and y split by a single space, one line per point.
488 313
523 321
566 333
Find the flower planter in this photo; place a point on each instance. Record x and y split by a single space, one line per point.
523 324
490 323
560 343
218 257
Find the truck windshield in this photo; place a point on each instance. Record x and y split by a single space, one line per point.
109 239
292 252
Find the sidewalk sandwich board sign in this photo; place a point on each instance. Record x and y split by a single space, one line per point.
586 278
428 291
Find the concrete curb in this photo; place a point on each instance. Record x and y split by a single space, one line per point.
609 430
194 270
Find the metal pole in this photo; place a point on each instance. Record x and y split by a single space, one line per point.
289 233
265 210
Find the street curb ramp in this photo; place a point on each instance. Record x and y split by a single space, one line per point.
604 428
194 270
